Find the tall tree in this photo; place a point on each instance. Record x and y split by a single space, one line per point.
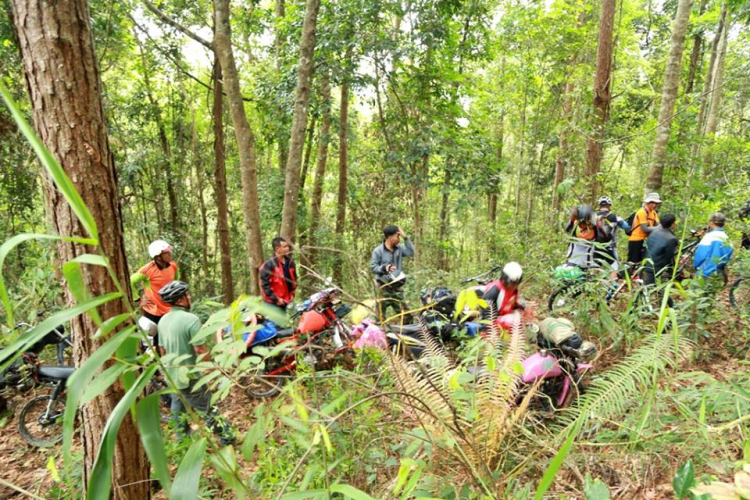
220 178
669 95
343 172
708 82
245 139
695 56
63 82
712 122
320 168
299 121
602 94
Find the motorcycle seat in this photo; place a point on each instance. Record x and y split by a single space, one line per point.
286 332
56 372
408 329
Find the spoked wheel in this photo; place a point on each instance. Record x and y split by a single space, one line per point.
575 297
262 385
739 295
40 421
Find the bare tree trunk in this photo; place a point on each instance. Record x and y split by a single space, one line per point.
308 154
696 54
708 83
245 140
492 202
320 169
299 121
65 91
220 178
712 121
343 172
200 183
602 95
444 221
669 95
279 12
562 147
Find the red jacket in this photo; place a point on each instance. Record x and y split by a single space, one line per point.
274 285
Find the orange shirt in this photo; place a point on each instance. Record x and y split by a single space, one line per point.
157 278
643 216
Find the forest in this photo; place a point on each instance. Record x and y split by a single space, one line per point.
158 158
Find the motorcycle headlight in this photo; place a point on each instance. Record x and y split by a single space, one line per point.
587 350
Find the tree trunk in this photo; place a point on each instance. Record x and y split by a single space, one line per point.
343 172
696 54
199 187
669 95
444 222
245 140
279 12
320 169
602 95
707 84
308 154
562 147
299 121
492 202
65 91
712 122
220 178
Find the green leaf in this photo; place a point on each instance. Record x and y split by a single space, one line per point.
684 479
74 277
56 172
350 492
188 476
595 489
549 475
25 341
53 469
149 427
103 381
304 495
255 435
80 379
100 482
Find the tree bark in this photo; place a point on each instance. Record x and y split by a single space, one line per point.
562 147
245 140
712 122
343 172
320 169
708 83
65 91
696 54
220 178
444 221
299 121
308 154
207 280
602 95
279 12
669 95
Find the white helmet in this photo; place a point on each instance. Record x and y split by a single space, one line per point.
512 273
157 247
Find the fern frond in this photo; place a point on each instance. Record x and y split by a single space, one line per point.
612 392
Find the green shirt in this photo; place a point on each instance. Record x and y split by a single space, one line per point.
176 331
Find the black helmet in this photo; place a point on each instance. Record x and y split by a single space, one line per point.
586 214
433 295
173 291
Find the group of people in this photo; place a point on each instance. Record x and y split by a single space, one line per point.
652 242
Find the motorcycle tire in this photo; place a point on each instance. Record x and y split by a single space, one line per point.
35 432
739 295
261 385
562 297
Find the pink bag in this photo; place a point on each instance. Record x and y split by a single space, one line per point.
369 336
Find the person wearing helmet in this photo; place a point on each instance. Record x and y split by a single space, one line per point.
582 228
154 275
503 294
606 233
645 218
178 329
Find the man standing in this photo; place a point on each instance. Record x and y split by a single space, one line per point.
661 248
278 275
387 266
714 250
606 233
645 217
177 330
154 275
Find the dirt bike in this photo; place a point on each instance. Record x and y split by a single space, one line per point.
320 339
561 368
40 419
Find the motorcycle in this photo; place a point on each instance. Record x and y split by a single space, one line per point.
320 339
559 366
40 419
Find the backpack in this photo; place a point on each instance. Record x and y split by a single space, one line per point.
630 220
605 229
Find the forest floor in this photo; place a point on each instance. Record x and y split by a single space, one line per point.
632 470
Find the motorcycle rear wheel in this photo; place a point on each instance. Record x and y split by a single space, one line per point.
262 385
39 428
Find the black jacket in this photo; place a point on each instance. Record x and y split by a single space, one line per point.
661 248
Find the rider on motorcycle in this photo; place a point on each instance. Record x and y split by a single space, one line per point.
503 293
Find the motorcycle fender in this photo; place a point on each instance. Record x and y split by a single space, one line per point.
584 367
537 367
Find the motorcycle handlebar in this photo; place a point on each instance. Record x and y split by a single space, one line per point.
481 276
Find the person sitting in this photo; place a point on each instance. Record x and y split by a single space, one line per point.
278 276
714 250
503 295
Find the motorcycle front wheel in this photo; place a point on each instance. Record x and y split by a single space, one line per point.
262 385
40 421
